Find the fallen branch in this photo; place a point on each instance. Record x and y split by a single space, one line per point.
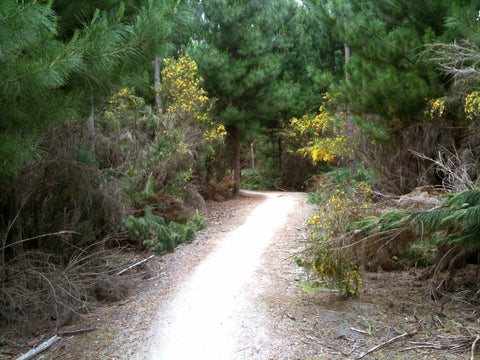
375 348
360 331
473 347
41 348
433 346
53 340
136 264
75 332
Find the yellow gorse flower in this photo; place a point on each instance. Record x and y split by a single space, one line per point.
436 108
181 88
327 139
472 105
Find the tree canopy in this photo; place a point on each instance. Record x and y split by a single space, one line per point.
263 62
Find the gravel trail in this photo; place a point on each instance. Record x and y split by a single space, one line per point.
211 316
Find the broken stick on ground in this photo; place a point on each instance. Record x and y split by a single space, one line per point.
375 348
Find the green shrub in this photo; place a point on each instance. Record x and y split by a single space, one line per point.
316 197
157 235
257 179
420 254
341 176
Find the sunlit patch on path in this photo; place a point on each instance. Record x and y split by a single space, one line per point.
204 319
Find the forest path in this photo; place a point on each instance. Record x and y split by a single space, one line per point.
225 295
233 293
220 311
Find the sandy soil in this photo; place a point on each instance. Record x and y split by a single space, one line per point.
266 307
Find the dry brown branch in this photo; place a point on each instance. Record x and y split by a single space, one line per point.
458 344
42 289
379 346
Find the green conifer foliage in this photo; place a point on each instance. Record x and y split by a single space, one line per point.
253 58
385 76
456 222
34 67
153 231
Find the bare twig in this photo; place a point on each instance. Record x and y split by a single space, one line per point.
41 348
63 232
360 331
136 264
454 167
80 331
379 346
459 59
326 345
473 347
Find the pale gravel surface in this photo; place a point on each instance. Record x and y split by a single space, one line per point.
216 313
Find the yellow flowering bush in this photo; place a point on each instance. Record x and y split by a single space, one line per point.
324 133
435 108
338 271
340 208
182 91
327 225
329 221
125 109
472 105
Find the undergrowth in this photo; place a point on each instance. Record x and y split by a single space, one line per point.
350 231
339 204
154 232
257 179
82 194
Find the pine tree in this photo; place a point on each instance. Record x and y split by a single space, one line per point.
246 57
61 60
34 68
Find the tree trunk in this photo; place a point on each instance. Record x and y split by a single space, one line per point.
158 96
252 153
237 171
350 125
90 124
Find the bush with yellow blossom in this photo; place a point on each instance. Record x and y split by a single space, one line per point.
472 105
324 134
339 205
186 99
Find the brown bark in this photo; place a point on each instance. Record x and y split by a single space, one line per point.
90 125
252 153
158 96
350 125
237 171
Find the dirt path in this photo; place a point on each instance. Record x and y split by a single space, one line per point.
219 297
217 313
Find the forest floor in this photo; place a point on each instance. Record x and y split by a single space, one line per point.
268 308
